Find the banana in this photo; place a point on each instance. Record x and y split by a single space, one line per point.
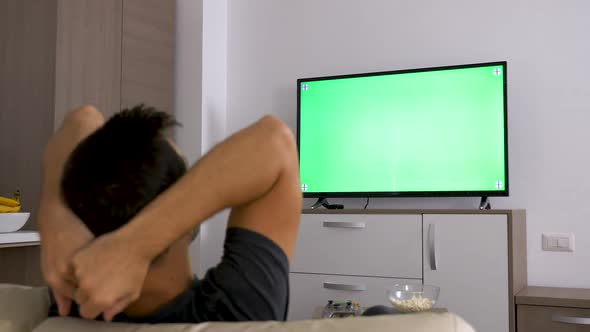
10 205
7 209
8 202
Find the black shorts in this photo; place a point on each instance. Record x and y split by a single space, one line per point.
250 283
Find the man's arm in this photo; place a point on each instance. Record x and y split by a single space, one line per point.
255 172
62 234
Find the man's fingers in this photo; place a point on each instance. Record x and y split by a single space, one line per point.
117 308
80 296
63 293
70 276
64 304
92 306
90 310
66 288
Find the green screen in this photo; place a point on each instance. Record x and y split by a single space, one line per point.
438 130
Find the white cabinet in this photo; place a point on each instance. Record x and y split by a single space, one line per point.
467 257
477 258
353 257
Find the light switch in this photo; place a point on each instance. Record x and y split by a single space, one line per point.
558 241
563 242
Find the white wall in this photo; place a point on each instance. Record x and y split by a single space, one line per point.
272 43
188 87
214 116
201 102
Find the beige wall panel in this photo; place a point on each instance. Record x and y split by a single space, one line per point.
27 56
148 53
88 64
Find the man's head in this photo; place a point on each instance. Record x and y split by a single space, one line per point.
120 168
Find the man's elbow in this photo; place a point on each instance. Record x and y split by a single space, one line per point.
279 134
86 116
76 125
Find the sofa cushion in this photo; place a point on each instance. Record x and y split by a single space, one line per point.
22 308
425 322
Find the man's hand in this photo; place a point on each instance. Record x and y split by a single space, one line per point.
110 274
62 233
58 247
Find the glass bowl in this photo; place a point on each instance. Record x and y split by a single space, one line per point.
413 297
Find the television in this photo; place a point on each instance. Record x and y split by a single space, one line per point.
438 131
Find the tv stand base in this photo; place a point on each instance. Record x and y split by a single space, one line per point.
323 201
484 203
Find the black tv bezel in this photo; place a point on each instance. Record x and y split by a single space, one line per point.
482 193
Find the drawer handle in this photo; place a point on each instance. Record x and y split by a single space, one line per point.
344 224
345 287
571 320
432 247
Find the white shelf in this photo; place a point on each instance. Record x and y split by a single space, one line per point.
19 239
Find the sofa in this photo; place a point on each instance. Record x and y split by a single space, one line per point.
24 309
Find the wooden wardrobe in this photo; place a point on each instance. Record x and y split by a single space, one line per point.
56 55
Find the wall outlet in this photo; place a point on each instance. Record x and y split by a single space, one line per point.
558 241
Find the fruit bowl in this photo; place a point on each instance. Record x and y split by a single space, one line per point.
413 297
12 222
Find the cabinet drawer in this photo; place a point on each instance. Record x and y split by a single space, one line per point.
310 291
362 245
552 319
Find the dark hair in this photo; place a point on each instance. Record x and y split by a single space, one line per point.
117 170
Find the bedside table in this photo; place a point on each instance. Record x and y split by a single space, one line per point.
544 309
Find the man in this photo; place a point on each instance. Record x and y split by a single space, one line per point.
138 265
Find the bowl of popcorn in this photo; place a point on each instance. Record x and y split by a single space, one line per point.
413 297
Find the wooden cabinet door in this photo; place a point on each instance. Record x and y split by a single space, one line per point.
147 53
467 257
